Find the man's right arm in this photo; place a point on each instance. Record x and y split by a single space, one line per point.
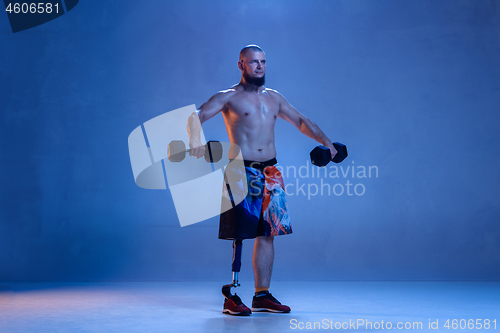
207 110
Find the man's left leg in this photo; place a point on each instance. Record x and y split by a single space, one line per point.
263 258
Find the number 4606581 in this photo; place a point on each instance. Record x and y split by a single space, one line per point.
32 8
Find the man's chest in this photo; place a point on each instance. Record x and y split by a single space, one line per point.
262 105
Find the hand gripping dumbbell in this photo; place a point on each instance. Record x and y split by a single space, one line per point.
321 155
176 151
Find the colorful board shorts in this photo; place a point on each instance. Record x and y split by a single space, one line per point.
262 211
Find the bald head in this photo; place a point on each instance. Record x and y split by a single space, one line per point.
244 51
252 65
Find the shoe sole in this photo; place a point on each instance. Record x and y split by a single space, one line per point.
233 313
268 310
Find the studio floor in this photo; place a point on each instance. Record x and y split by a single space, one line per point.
197 307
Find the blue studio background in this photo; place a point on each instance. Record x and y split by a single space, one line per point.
411 87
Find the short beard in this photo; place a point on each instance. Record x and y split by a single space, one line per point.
256 81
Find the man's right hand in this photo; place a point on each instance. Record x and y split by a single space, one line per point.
196 148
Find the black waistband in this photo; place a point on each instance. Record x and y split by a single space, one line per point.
260 165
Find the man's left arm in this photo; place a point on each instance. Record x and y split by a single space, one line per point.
304 125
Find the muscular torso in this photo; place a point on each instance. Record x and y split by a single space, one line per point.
250 118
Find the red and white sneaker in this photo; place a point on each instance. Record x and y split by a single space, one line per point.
234 306
268 303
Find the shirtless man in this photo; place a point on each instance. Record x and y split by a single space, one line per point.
250 111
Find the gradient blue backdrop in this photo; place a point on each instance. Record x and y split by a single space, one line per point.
412 87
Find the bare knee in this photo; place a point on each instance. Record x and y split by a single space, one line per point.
265 240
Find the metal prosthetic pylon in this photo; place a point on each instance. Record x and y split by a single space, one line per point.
236 266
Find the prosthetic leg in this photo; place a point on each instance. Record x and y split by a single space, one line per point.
232 303
236 266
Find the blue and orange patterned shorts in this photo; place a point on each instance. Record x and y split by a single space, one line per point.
262 210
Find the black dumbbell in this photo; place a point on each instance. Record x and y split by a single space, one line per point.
176 151
321 155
